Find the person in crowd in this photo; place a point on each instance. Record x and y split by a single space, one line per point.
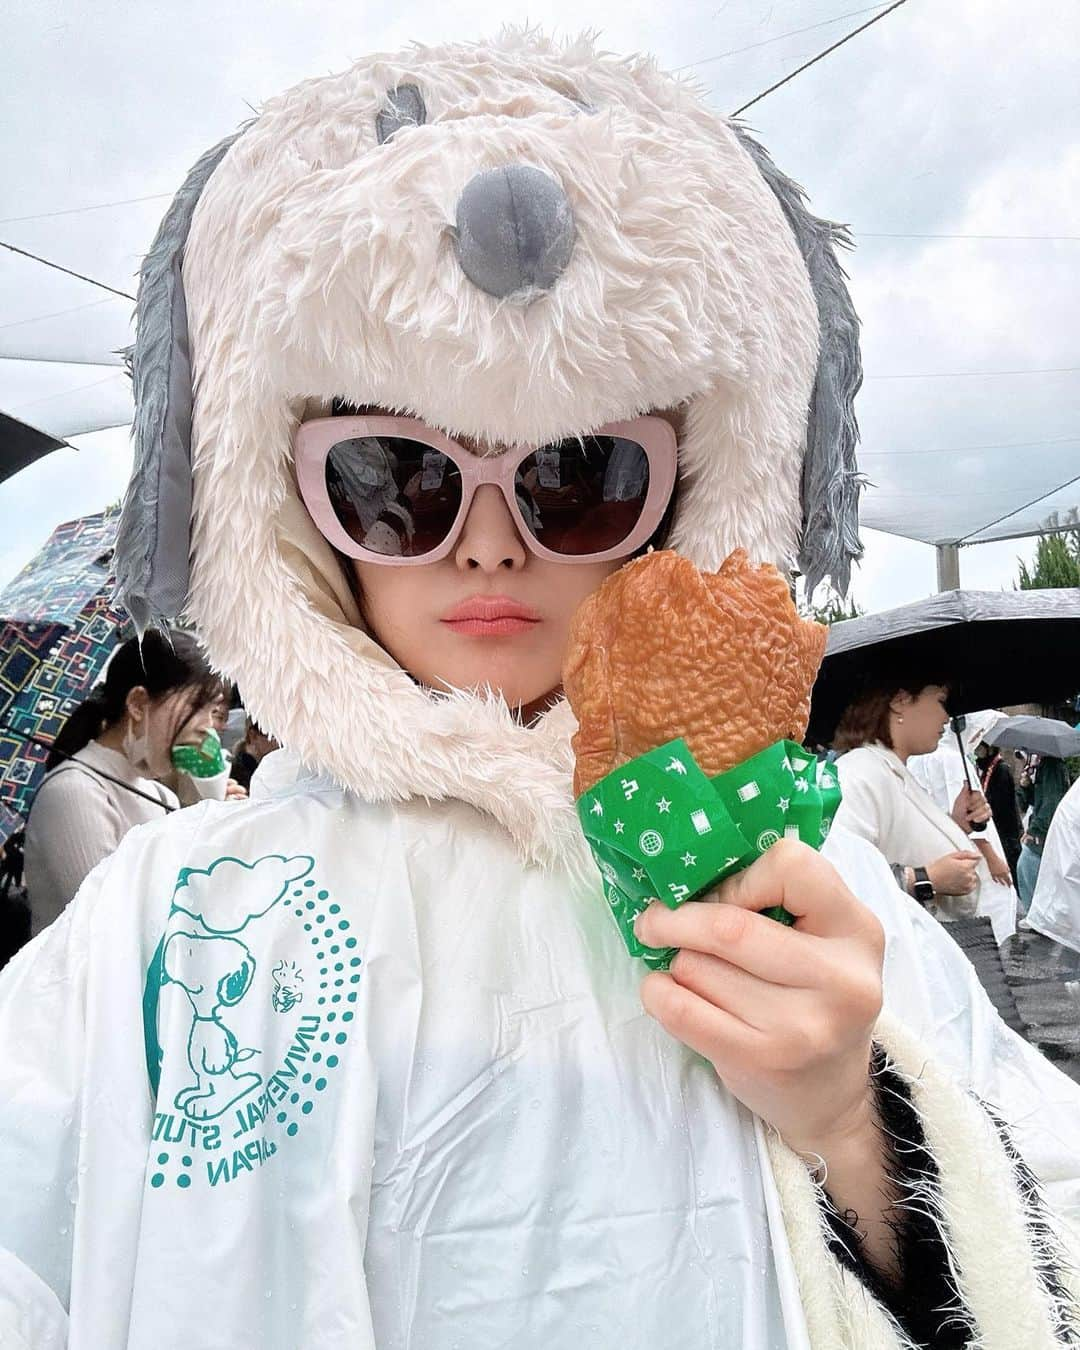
219 714
1055 904
220 786
14 910
250 753
929 849
999 789
943 773
1044 780
235 727
105 767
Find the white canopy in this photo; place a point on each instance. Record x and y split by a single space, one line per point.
965 224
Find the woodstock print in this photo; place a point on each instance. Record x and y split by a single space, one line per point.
204 956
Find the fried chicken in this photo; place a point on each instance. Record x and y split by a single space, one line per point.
663 651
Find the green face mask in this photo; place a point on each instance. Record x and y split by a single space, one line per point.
200 761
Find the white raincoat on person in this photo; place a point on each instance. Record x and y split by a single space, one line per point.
361 1064
1055 905
941 774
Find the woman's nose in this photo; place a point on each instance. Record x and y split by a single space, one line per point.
489 538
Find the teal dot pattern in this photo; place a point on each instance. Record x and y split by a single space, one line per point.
326 931
328 945
183 1176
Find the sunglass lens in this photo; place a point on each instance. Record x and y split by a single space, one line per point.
583 495
393 496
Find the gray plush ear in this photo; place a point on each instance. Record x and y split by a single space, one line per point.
153 539
830 479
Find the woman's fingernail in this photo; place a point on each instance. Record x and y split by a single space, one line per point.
639 924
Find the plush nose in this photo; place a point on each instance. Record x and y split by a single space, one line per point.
515 230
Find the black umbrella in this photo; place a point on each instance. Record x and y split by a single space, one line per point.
21 444
992 648
1043 735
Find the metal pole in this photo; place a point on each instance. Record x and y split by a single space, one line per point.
948 567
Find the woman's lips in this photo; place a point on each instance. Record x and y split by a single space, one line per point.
490 616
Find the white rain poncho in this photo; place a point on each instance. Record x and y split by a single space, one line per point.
1055 905
311 1073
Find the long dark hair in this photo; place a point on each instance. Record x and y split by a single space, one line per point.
161 664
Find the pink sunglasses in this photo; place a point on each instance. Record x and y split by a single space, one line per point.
393 490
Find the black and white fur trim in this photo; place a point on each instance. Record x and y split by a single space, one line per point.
999 1269
925 1299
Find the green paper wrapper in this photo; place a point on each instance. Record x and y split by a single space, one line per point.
200 761
660 829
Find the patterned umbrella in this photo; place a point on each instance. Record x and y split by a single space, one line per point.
58 626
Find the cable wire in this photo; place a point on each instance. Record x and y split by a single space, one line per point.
974 374
767 42
63 393
966 449
77 210
1041 238
56 314
820 57
1009 514
34 257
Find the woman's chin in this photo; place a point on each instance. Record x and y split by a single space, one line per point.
514 691
518 681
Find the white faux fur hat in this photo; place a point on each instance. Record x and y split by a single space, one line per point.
515 241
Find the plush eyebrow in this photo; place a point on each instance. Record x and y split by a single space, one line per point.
403 107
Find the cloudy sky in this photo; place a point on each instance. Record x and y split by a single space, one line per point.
942 125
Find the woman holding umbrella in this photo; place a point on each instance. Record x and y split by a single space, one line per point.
928 848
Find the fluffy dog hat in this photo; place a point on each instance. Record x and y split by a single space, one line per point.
515 241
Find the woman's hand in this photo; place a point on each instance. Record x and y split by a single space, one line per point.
970 808
784 1015
234 792
955 873
999 868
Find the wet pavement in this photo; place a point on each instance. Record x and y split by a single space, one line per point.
1045 981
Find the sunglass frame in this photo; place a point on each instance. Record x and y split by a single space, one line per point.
313 441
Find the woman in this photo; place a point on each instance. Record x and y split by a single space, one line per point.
364 1064
999 789
1043 782
190 789
106 762
249 754
942 774
929 849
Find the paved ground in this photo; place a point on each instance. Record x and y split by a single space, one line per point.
1045 981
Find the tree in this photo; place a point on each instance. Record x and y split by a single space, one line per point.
833 609
1056 563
